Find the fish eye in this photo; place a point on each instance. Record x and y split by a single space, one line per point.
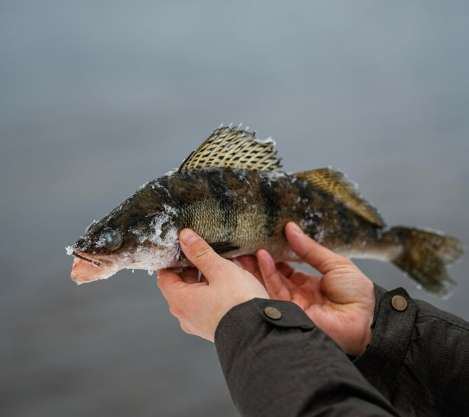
112 239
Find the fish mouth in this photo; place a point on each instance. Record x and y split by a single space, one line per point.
77 255
102 261
87 268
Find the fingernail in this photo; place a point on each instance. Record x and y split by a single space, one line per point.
296 229
188 237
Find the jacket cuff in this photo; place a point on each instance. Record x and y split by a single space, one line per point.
290 314
393 323
240 327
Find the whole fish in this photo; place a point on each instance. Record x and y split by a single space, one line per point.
232 192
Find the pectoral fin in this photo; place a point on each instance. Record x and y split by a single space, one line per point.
223 247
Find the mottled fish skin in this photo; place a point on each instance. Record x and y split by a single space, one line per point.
246 211
239 210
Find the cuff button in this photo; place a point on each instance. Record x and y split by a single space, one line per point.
399 303
272 313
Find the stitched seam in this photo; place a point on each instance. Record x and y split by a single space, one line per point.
446 319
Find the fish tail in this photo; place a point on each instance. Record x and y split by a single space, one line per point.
424 255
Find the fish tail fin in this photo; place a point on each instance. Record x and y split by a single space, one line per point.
424 255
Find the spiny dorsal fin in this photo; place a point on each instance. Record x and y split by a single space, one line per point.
230 147
335 184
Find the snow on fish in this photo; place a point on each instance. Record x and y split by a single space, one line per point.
232 192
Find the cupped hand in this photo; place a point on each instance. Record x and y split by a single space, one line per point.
200 305
340 302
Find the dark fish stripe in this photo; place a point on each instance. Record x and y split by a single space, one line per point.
216 182
348 226
341 221
271 203
308 200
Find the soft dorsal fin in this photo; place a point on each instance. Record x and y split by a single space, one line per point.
230 147
335 184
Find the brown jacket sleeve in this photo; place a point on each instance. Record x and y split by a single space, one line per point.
288 367
418 357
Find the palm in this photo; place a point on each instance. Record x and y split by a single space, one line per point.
341 302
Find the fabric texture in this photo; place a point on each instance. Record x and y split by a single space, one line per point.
289 367
418 358
417 363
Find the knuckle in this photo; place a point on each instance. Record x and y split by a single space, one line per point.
332 265
344 265
174 309
202 252
185 328
306 252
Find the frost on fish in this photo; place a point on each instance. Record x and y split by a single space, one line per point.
149 239
232 192
163 236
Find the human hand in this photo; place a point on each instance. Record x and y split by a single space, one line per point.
341 302
200 306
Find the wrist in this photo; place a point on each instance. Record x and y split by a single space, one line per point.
364 343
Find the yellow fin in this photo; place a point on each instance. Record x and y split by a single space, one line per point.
335 184
230 147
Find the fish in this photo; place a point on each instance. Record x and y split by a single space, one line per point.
232 191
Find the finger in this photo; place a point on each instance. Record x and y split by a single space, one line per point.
273 283
286 274
190 275
285 269
293 277
203 256
319 257
202 278
169 282
300 278
250 264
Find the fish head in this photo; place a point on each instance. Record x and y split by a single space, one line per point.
139 234
98 253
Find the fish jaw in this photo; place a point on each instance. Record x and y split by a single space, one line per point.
86 268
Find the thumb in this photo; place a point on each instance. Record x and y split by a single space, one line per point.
169 282
200 253
319 257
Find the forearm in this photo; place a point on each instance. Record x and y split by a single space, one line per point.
289 367
418 357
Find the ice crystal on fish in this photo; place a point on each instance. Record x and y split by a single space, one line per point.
143 185
267 140
100 242
164 234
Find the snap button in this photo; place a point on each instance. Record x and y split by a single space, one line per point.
272 313
399 303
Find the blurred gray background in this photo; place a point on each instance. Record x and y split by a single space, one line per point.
98 97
